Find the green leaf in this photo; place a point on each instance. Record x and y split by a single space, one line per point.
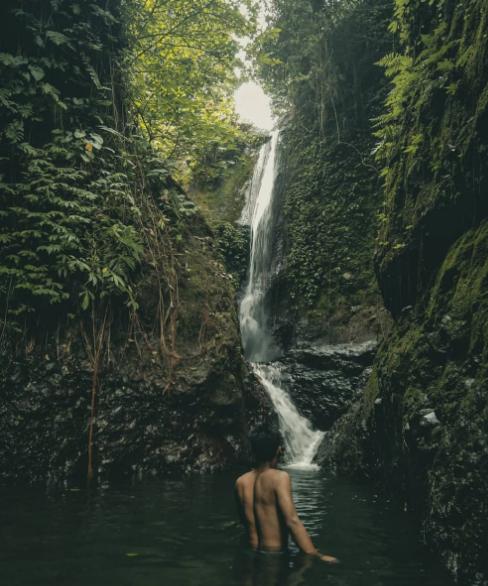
57 38
36 72
85 300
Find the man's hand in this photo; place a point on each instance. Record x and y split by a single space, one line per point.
328 558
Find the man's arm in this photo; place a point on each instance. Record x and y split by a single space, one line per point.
296 527
239 506
246 514
287 508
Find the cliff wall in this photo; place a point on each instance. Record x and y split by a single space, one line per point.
321 68
422 422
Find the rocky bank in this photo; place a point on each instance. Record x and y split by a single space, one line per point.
156 414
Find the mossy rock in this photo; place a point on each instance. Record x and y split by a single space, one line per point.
421 424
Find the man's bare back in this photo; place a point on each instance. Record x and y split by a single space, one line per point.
244 489
267 509
271 523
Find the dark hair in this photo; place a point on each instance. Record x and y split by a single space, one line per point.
264 445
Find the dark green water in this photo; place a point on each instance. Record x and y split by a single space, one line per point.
184 533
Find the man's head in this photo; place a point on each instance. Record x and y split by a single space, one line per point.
265 446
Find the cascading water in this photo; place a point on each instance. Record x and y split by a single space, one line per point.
301 441
258 343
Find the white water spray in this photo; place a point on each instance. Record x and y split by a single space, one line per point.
258 343
301 441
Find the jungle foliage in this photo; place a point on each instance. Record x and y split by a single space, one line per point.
102 105
319 62
181 68
431 141
108 107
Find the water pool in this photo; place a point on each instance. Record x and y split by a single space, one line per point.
184 532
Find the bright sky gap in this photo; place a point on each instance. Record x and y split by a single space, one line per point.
253 105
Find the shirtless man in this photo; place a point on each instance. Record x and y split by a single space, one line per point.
266 503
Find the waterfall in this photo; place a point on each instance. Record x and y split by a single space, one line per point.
301 441
258 343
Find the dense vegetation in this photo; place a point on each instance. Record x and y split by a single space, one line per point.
85 195
319 62
432 142
109 111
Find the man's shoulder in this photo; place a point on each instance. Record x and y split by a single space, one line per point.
277 475
282 475
245 478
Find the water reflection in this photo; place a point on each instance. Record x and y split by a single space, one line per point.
185 533
309 497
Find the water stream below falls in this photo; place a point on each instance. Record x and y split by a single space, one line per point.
301 440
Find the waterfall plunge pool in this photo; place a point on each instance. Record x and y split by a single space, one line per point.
184 532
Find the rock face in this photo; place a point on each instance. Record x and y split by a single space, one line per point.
323 379
422 422
327 184
200 425
152 418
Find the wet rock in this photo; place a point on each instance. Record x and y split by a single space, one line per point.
185 405
200 424
324 379
429 417
420 425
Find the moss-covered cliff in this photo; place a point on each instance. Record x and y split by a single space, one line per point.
433 144
320 66
422 422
